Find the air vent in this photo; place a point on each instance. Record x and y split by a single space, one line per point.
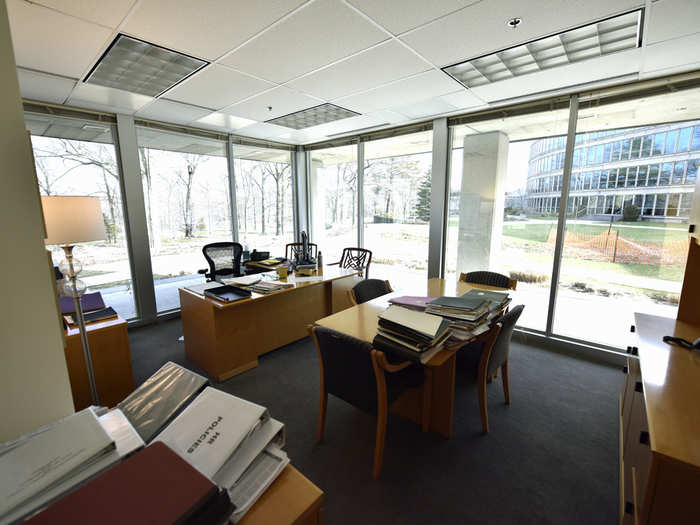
315 116
602 38
140 67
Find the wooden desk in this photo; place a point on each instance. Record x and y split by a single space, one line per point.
111 361
361 322
290 500
660 426
225 339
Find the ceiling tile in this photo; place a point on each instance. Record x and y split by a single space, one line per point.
379 65
610 66
481 28
169 111
426 108
103 98
385 115
401 15
216 87
282 100
672 19
672 56
324 31
262 130
401 93
53 42
108 14
223 122
462 99
204 29
346 125
44 87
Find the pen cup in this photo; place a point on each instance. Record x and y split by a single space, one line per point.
282 272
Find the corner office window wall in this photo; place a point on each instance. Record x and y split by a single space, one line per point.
396 193
493 222
77 157
188 204
333 203
264 203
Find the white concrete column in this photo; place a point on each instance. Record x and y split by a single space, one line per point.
482 200
317 193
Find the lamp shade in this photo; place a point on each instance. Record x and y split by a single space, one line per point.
70 220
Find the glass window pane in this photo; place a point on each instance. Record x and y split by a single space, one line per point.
665 177
658 148
653 179
660 208
695 144
636 146
671 138
333 181
512 232
684 139
625 150
646 146
642 175
397 190
187 197
264 201
678 169
692 172
75 160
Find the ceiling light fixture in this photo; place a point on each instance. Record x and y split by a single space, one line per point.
140 67
605 37
314 116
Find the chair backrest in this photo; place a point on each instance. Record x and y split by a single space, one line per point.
348 372
224 258
356 259
489 279
370 289
294 248
501 348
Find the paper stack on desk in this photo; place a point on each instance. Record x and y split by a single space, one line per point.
233 442
470 314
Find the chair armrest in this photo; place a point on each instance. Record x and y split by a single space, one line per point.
387 366
333 264
203 271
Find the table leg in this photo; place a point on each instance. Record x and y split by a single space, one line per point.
443 397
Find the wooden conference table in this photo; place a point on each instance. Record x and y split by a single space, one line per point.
361 322
225 339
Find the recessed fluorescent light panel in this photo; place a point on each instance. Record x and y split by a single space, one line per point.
139 67
315 116
601 38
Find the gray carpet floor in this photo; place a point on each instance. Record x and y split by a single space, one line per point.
551 456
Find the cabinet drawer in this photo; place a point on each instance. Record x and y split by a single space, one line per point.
636 452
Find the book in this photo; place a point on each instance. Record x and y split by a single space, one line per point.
94 316
46 459
423 324
118 427
490 295
88 301
412 301
211 429
200 288
154 486
245 280
160 398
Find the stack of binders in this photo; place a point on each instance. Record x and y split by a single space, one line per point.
410 334
471 313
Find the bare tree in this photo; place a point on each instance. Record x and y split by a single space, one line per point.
146 177
277 171
186 180
259 182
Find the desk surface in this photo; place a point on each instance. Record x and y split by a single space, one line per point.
361 321
99 325
328 274
671 377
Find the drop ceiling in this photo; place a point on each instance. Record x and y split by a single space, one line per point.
383 60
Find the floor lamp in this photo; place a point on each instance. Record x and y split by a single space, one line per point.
69 221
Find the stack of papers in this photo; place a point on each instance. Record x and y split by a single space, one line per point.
233 442
42 467
413 302
269 287
409 334
470 314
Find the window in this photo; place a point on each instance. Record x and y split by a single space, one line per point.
660 208
695 144
642 175
653 175
671 138
684 139
673 204
666 169
649 204
77 157
187 197
636 146
646 146
692 173
396 193
264 198
333 206
658 148
616 151
625 150
678 170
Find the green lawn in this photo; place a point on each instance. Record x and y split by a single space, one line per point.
539 232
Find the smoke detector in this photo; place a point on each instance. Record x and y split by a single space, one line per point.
514 22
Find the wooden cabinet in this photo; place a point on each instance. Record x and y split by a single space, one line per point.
660 426
111 360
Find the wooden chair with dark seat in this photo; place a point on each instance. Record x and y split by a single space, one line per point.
293 248
224 260
480 360
353 371
355 259
368 289
489 279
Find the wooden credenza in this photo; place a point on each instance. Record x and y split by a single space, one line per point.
660 426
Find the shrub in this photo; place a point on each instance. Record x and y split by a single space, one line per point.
525 277
631 213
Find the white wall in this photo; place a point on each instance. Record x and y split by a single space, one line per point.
34 385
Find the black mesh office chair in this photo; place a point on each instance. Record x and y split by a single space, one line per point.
489 279
224 260
355 259
369 289
352 371
481 360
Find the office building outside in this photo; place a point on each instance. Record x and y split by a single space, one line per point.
650 170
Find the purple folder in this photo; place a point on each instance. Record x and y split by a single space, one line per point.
89 301
412 301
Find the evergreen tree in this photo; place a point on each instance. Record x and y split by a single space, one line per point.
422 208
